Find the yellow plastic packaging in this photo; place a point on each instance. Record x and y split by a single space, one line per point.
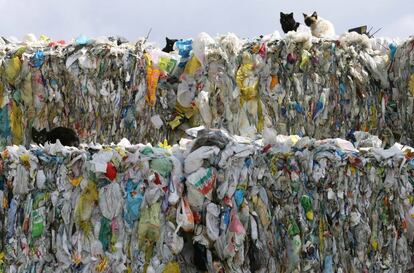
153 74
27 91
171 267
16 124
249 87
274 81
411 84
12 70
192 66
85 206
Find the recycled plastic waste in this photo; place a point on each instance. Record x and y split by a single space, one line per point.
108 88
291 205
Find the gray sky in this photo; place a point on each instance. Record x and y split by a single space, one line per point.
185 18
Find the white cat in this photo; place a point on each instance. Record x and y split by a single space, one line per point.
320 27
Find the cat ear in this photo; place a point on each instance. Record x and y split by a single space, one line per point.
314 14
166 39
282 14
34 131
43 131
304 15
291 14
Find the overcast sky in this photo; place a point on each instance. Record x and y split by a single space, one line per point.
185 18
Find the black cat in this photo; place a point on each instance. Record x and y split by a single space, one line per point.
288 22
65 135
169 45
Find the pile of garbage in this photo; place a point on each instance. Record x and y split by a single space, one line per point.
213 202
108 88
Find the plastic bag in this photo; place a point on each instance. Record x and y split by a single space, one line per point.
110 200
83 40
133 202
105 233
200 45
37 222
204 108
21 181
246 80
184 47
12 69
171 267
185 218
186 92
173 241
5 131
16 123
211 137
213 221
203 180
410 224
411 84
166 62
110 171
192 66
85 206
38 59
175 186
162 165
195 159
153 75
149 224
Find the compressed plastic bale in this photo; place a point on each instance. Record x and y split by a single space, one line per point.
266 184
289 74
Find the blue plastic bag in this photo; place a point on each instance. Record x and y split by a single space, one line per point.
83 40
5 131
132 203
184 48
238 197
38 59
